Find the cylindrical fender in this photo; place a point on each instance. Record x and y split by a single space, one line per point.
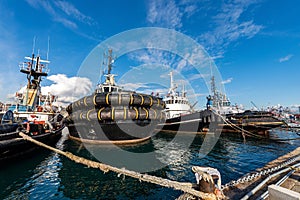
147 100
163 104
88 101
91 115
143 114
136 100
152 113
107 99
84 100
69 108
162 115
125 99
99 113
112 113
114 99
101 99
136 113
133 113
120 113
106 114
142 99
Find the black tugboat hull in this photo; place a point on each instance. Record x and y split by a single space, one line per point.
253 121
119 117
197 122
121 132
16 147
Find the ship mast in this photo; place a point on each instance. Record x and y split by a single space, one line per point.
109 85
35 68
183 92
110 78
172 85
213 86
110 61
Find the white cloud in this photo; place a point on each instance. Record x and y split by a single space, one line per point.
182 63
229 27
164 13
70 10
190 10
146 88
198 76
62 12
68 89
286 58
154 57
168 14
229 80
134 86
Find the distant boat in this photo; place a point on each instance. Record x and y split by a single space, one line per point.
219 115
114 115
292 120
33 114
237 119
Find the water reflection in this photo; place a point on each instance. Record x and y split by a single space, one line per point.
39 179
56 177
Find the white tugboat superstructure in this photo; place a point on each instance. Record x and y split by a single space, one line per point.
176 104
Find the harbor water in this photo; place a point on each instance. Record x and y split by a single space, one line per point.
47 175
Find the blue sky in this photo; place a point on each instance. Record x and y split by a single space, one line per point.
255 44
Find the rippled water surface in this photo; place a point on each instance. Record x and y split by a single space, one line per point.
47 175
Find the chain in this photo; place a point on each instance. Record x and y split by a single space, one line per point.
250 177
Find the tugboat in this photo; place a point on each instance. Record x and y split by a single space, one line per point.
180 115
219 115
114 115
236 119
33 114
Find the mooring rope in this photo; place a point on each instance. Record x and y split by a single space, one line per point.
185 187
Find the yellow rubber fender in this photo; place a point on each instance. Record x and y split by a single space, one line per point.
154 111
142 97
136 113
125 113
161 115
131 99
99 113
120 98
84 101
112 113
151 100
94 100
88 113
147 113
76 103
107 98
